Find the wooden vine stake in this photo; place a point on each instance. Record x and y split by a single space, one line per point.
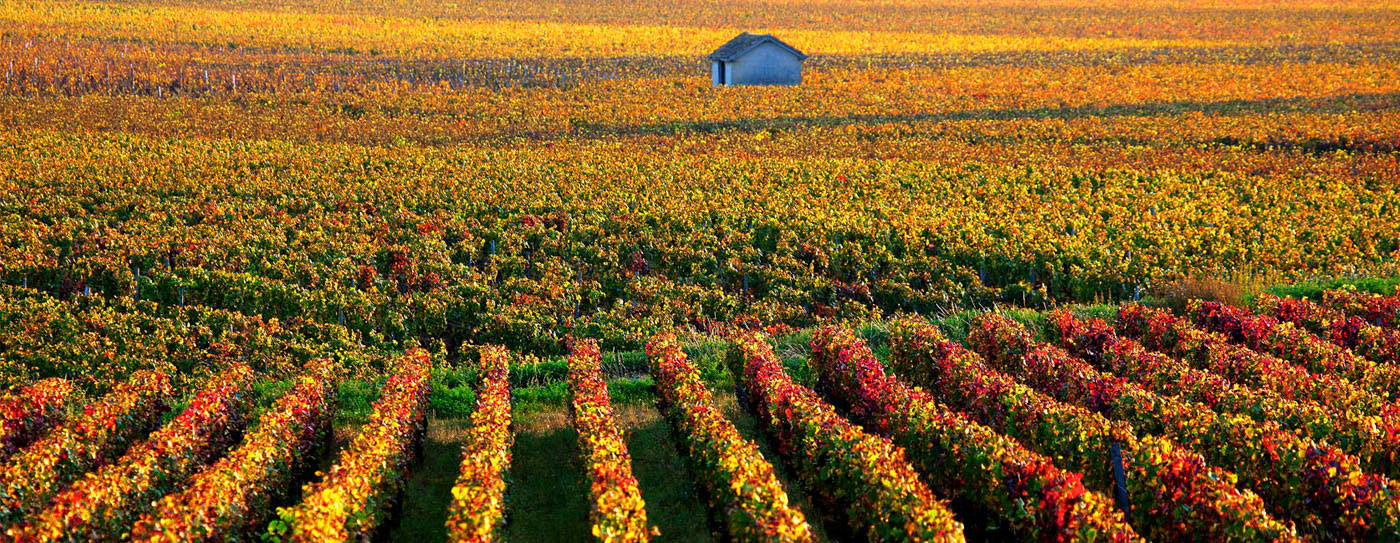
1120 479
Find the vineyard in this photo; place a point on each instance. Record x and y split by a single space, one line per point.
1100 423
513 270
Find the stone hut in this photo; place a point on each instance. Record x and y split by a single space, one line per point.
756 59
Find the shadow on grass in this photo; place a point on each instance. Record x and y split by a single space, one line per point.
748 426
673 502
547 496
429 489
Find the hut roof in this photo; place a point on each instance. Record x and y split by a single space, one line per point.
745 42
